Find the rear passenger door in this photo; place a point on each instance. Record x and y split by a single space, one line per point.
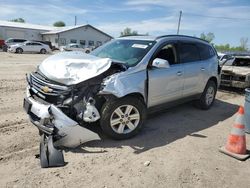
193 68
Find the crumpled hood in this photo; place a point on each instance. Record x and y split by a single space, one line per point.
71 68
236 70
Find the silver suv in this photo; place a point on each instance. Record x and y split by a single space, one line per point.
117 84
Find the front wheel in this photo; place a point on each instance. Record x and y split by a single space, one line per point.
208 95
123 118
19 50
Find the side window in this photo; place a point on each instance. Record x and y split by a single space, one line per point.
28 44
91 43
206 51
168 52
189 53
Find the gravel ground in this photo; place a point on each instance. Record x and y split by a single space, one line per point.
177 148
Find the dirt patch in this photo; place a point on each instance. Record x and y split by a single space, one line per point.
181 144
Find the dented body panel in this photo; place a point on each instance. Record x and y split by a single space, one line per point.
73 67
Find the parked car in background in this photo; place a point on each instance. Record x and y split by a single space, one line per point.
76 47
223 57
117 84
29 46
45 42
236 72
12 41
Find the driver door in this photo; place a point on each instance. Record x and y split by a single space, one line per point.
165 84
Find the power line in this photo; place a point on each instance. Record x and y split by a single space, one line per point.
218 17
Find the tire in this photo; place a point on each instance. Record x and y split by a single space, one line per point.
124 125
208 96
19 50
43 51
87 51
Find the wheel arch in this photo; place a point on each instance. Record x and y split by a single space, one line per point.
214 79
105 97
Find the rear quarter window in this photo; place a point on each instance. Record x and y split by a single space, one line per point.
188 53
206 51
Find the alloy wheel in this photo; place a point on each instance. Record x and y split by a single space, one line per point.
124 119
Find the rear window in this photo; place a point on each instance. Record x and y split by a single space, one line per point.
206 51
188 53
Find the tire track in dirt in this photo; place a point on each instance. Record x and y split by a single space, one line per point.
18 137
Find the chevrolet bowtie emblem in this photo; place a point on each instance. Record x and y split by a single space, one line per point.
46 89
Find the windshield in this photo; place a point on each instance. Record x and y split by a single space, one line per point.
240 62
129 52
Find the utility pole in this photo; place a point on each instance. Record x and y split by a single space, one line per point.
179 23
75 20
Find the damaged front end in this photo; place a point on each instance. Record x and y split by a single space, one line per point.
60 109
231 79
236 73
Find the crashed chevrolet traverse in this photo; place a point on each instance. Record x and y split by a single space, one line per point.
116 84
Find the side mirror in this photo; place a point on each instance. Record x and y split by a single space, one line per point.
160 63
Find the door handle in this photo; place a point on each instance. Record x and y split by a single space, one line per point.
179 73
202 69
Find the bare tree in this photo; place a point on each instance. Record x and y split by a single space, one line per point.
243 43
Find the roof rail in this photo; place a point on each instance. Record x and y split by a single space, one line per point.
136 35
180 36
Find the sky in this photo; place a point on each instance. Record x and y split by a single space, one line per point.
229 20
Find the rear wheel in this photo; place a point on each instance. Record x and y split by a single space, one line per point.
208 95
19 50
43 51
123 118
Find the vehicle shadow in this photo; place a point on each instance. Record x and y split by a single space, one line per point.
167 126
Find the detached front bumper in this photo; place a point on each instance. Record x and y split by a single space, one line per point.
52 121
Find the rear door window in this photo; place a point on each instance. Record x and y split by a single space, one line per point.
188 53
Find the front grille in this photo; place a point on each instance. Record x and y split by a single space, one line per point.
46 87
46 91
233 77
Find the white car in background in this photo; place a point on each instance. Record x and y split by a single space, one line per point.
29 46
76 47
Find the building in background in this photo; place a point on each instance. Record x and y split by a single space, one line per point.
22 30
86 35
